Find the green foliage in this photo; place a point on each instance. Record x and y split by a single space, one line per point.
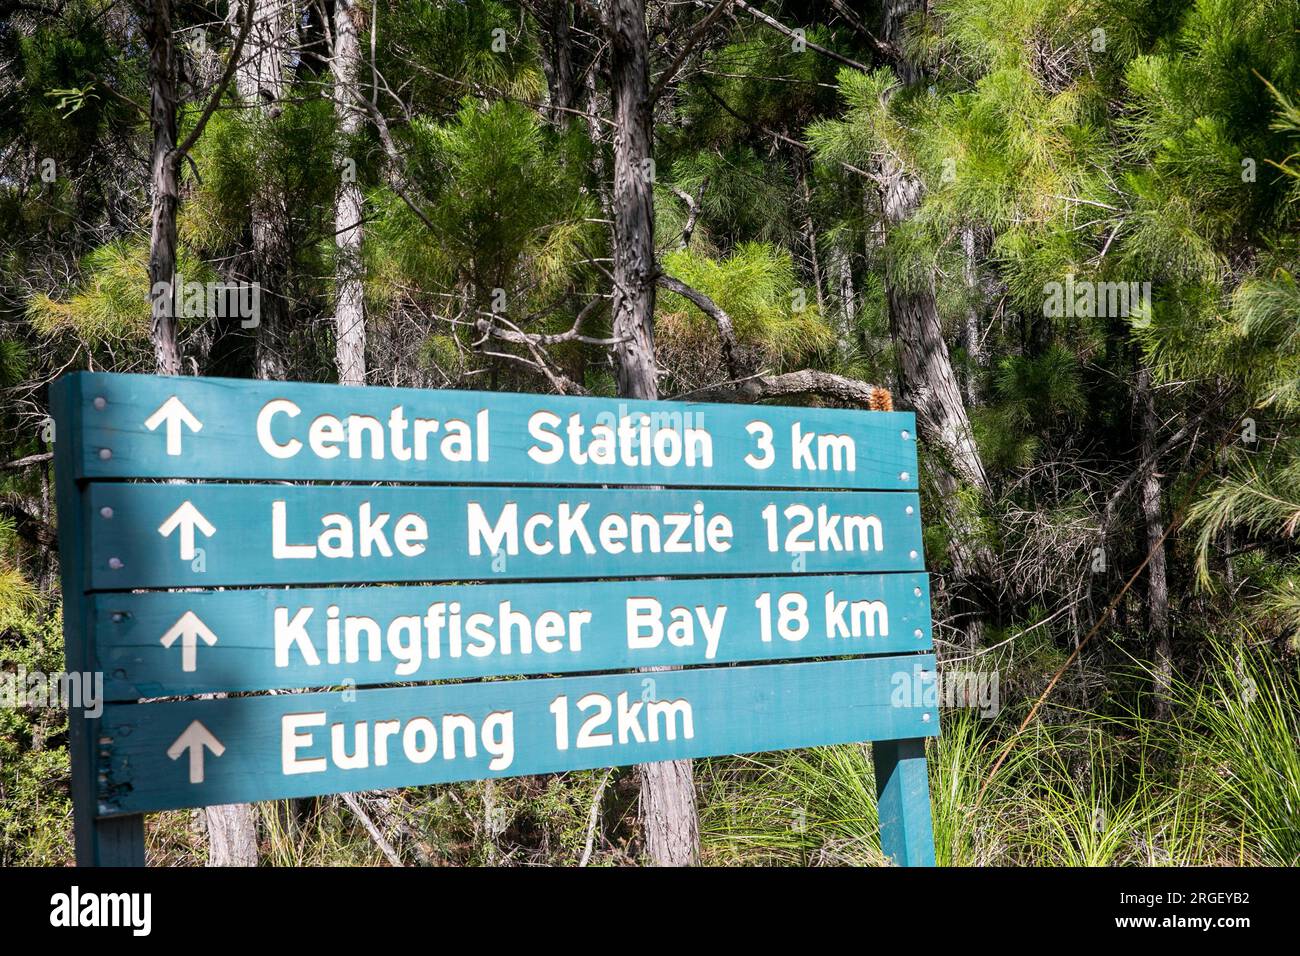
111 302
1245 722
60 65
15 362
35 807
1260 494
805 807
1083 807
740 77
743 197
504 207
757 287
264 161
1041 391
450 46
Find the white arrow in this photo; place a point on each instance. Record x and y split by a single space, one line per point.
195 738
187 518
189 629
175 414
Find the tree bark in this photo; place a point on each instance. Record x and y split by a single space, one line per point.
1157 577
349 309
972 331
808 228
262 80
232 835
927 379
165 175
633 200
557 59
669 818
844 315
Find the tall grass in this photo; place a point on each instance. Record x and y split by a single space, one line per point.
799 807
1218 783
1102 801
1242 747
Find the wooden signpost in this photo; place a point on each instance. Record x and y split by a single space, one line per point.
213 532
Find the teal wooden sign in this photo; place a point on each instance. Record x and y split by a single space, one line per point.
340 541
151 536
171 755
140 426
159 644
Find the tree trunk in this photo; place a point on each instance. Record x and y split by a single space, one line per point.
262 80
165 186
808 228
927 378
634 252
349 310
1157 578
232 835
972 331
557 59
669 818
844 315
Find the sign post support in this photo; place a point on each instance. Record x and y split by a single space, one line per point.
100 841
903 801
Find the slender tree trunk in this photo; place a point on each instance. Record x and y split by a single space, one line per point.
972 330
262 79
844 315
1157 578
669 818
927 378
634 251
809 228
596 132
349 310
557 50
165 185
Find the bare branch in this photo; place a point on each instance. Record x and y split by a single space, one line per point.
755 388
693 206
384 846
220 90
27 462
782 28
667 75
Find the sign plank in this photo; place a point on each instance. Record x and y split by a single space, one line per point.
140 426
163 756
167 535
181 643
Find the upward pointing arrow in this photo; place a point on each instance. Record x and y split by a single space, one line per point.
194 739
175 414
189 629
187 518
